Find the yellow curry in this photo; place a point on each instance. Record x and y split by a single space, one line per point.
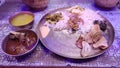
22 19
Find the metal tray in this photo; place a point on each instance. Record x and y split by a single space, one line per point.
63 45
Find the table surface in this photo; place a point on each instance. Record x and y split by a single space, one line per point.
42 56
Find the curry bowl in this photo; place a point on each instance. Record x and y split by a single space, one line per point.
19 43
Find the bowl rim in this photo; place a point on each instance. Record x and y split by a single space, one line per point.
28 51
19 13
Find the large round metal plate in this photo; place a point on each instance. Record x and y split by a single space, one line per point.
63 44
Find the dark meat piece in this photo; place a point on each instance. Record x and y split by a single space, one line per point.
79 42
94 35
102 43
96 22
17 35
103 26
73 22
30 41
20 49
73 25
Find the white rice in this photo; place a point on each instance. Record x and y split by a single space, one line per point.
88 16
62 24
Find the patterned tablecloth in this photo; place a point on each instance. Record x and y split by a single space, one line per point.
42 56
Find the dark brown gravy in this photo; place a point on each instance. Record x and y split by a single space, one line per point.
14 47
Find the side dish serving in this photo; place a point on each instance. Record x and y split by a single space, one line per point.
20 42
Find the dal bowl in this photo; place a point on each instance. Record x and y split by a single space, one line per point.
22 20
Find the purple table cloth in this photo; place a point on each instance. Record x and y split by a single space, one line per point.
42 56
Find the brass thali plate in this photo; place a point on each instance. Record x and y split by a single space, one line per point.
64 45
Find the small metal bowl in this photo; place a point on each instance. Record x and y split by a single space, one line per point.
36 4
108 4
7 46
24 26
